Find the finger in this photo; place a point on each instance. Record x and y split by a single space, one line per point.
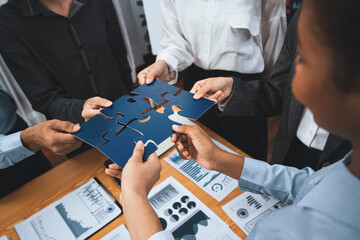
184 129
142 75
113 173
99 102
173 138
204 90
150 77
138 152
196 86
114 166
90 113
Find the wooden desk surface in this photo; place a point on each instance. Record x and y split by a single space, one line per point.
71 174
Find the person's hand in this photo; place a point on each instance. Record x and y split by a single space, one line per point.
92 107
137 177
193 143
53 135
216 89
158 70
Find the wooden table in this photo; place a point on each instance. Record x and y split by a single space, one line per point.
71 174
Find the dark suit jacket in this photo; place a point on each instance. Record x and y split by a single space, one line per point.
274 96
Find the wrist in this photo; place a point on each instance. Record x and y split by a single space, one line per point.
28 139
164 66
129 196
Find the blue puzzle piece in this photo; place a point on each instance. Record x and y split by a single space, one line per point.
158 128
120 146
131 105
155 89
191 108
160 91
93 130
133 118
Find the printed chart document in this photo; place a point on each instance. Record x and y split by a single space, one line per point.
248 208
216 184
75 216
185 216
119 233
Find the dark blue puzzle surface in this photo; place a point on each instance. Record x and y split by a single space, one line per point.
142 116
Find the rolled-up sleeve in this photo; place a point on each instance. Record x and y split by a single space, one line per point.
12 150
163 235
279 181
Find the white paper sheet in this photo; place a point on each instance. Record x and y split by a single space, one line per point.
216 184
119 233
185 216
75 216
247 209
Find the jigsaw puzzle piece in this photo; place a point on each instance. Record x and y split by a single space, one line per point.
158 126
155 89
119 147
92 131
131 105
191 108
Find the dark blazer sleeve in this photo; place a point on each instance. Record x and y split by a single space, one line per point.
117 45
45 95
264 98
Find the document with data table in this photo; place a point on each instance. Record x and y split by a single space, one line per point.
76 216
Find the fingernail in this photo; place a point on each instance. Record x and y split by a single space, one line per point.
196 96
76 127
175 127
108 103
148 80
139 144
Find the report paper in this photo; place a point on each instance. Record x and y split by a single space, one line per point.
75 216
119 233
248 208
185 216
216 184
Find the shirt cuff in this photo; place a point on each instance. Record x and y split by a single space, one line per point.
13 150
253 175
163 235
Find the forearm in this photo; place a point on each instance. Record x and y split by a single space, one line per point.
66 109
12 150
229 164
141 219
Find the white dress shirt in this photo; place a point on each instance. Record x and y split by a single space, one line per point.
309 133
235 35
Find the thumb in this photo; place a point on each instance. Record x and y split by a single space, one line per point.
101 102
138 152
65 126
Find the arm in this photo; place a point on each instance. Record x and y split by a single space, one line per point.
278 181
260 98
117 45
44 93
12 150
174 48
142 221
53 135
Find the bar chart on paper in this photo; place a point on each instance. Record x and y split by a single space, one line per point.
214 183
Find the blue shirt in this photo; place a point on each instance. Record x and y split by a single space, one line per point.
11 148
324 204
